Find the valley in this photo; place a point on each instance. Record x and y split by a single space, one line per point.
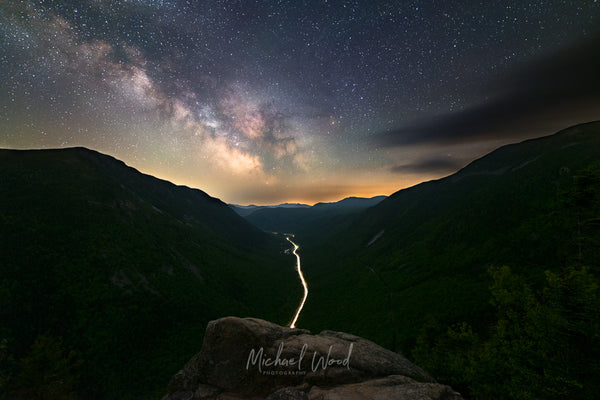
111 276
299 200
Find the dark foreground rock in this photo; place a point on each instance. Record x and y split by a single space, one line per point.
254 359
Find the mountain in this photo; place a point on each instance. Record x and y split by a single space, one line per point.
433 264
503 208
110 276
298 219
244 211
351 203
488 279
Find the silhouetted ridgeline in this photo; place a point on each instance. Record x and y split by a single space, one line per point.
300 219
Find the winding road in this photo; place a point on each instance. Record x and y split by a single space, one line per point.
296 247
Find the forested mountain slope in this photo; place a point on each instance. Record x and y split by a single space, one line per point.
110 275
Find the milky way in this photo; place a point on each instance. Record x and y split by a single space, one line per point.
273 101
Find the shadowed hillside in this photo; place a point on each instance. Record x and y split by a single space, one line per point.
404 272
111 275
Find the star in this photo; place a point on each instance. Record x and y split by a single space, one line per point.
243 93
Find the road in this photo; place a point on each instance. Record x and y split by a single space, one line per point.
296 247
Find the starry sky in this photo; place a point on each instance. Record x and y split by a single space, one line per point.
267 102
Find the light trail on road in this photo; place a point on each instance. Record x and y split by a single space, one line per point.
296 247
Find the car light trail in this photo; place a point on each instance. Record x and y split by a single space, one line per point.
296 247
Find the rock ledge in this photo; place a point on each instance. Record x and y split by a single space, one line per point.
248 358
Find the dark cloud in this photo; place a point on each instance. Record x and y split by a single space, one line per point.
246 98
558 88
429 165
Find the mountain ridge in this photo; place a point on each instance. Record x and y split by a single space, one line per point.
424 259
296 220
122 270
347 203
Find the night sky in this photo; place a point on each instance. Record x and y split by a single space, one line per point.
300 101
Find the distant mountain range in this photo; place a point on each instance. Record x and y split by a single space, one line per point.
123 269
244 211
355 203
297 219
351 203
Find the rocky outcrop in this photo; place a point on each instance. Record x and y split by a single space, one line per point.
247 358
